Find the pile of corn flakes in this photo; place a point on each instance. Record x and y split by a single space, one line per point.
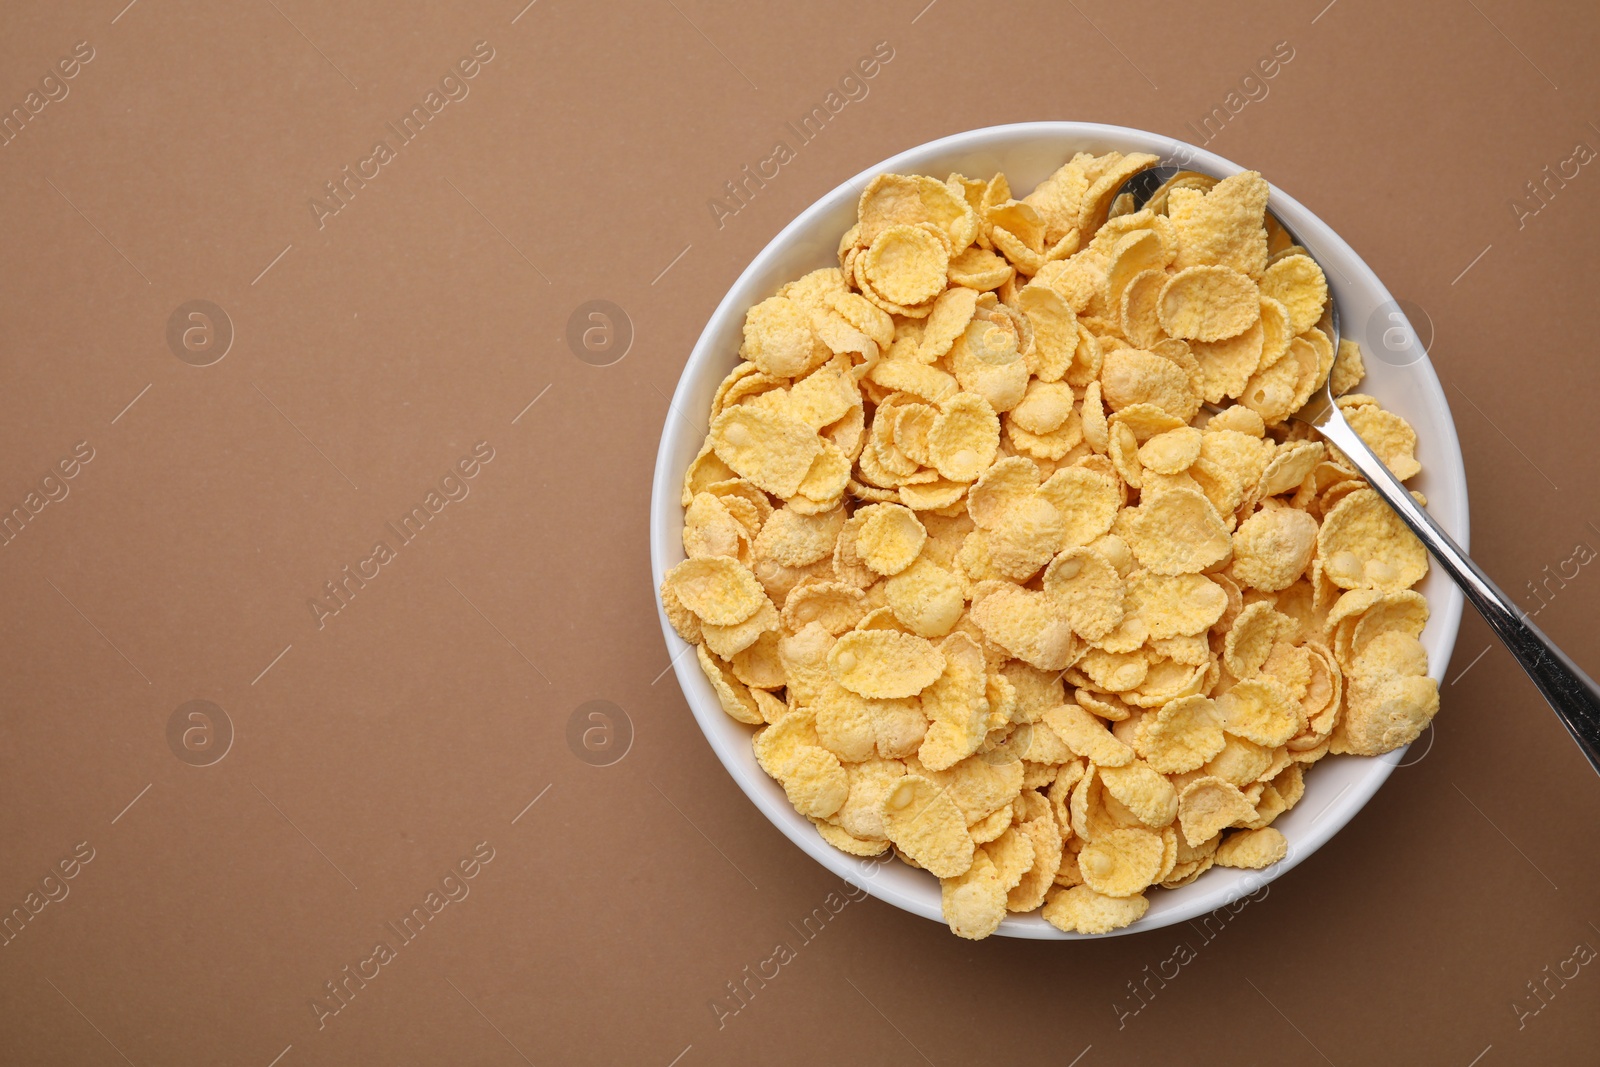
1001 540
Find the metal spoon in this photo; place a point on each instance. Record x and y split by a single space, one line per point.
1573 695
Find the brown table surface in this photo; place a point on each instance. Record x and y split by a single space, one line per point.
364 755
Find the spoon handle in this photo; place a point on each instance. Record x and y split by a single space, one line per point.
1573 695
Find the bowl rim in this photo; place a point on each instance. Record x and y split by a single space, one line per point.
666 518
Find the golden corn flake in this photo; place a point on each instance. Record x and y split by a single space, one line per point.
974 901
907 265
1364 544
845 724
1251 637
965 437
1087 736
835 606
758 665
684 622
1181 736
729 641
1260 710
1291 463
1271 392
951 313
1252 849
1045 835
1141 323
1207 805
978 787
846 842
925 824
980 269
779 340
954 705
732 694
1026 625
1143 791
1403 612
1044 408
1055 332
1129 376
1171 452
912 199
1083 911
1122 862
1178 532
717 589
1273 548
1224 226
926 598
770 449
1387 434
992 828
1208 303
890 538
1389 698
1087 590
710 530
795 540
1348 367
1135 253
1105 175
1241 762
1297 283
1114 672
1175 605
1145 420
884 663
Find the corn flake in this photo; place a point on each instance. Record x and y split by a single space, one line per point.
1297 283
717 589
1081 910
1252 849
1208 304
925 824
1181 736
1178 532
884 663
1363 544
1207 805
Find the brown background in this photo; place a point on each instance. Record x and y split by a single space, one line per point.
377 751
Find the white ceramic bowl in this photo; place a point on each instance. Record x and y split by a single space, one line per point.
1398 374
